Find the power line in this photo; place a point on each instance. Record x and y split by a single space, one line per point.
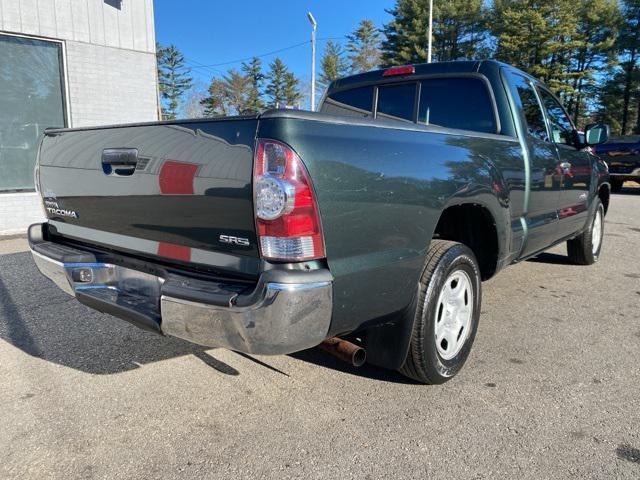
195 64
284 49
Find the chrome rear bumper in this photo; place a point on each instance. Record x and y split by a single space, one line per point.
284 313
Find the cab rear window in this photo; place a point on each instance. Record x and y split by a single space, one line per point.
453 102
356 102
397 102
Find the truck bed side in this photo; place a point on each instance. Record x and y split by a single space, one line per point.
381 190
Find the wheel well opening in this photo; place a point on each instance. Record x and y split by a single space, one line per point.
474 226
604 196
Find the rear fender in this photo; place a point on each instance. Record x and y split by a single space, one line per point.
388 342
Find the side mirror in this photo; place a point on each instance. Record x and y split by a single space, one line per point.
596 133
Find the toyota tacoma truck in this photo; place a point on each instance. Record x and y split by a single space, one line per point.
373 221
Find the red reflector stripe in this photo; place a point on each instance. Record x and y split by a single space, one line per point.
401 70
177 177
177 252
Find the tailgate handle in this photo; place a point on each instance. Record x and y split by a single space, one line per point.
119 161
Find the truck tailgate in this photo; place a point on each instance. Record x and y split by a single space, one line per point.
179 191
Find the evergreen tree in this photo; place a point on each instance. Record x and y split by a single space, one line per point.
236 92
524 32
567 45
593 51
277 84
333 64
173 78
292 95
629 51
364 47
610 101
253 72
215 104
458 31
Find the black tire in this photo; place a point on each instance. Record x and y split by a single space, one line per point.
581 249
424 363
616 185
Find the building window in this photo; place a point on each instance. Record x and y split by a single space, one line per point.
31 99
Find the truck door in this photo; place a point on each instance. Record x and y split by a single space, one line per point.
574 167
541 211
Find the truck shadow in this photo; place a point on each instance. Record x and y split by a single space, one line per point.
325 360
551 258
44 322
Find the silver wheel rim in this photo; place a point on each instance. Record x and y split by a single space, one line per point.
596 232
453 314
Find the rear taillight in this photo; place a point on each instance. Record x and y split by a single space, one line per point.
287 218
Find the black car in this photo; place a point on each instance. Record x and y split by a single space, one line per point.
622 155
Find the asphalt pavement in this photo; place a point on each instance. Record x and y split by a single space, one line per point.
550 390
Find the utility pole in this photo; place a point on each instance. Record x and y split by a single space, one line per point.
314 25
430 30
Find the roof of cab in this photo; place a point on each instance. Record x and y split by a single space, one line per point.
461 66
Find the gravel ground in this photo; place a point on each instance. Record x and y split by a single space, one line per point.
551 389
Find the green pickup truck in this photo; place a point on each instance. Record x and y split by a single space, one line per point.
366 227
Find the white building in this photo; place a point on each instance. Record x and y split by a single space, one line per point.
67 63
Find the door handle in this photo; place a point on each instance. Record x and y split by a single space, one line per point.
119 161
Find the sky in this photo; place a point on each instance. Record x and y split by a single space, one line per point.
214 32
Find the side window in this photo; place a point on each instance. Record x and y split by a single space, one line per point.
356 102
559 123
532 111
396 102
462 103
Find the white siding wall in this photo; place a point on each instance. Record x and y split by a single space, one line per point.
110 69
110 85
126 24
18 211
110 54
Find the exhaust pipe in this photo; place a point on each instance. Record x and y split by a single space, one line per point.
345 351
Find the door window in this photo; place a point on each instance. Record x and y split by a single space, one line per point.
532 111
559 123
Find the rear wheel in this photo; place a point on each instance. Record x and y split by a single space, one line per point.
585 248
447 313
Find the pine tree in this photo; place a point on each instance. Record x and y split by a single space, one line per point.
277 83
629 51
292 95
173 78
215 104
522 32
593 52
618 100
610 101
236 93
567 45
364 47
253 72
458 31
333 64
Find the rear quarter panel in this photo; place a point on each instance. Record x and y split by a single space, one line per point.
381 192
